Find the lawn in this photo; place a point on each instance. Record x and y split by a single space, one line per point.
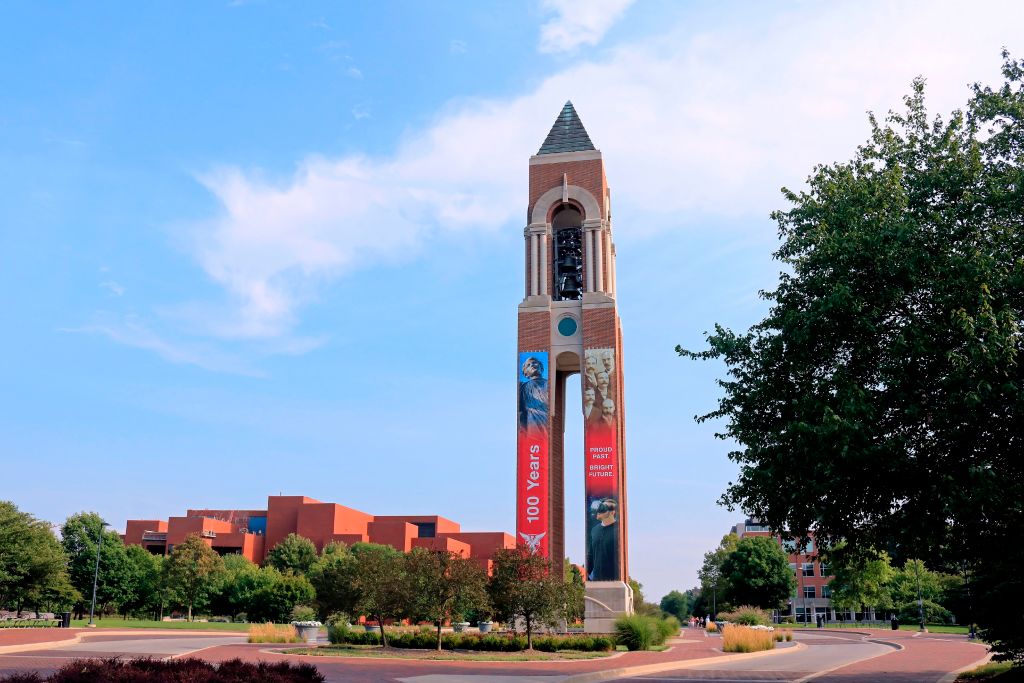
143 623
448 655
997 671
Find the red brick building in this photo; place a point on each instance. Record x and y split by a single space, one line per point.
253 533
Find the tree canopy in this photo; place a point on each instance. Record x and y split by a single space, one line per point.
295 554
886 372
758 574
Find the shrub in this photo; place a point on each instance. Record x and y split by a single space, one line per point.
711 627
934 613
426 639
636 632
158 671
747 639
271 633
747 616
667 627
303 613
789 636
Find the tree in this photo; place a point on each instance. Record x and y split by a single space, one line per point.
443 586
33 568
193 572
78 537
379 582
143 590
524 586
860 580
575 592
677 604
276 595
758 573
295 554
714 585
332 576
887 369
240 580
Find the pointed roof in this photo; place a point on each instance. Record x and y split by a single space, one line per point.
567 135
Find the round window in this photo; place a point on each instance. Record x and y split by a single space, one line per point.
567 326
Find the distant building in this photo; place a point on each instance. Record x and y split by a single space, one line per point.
813 593
253 533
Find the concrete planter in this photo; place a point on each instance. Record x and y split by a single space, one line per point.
485 626
308 634
460 626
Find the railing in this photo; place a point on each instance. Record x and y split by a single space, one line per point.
154 536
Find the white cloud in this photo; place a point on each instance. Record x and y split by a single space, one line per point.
353 72
457 47
578 22
132 332
692 125
113 287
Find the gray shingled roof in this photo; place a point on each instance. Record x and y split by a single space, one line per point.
567 135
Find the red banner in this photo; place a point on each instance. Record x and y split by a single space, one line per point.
532 493
601 419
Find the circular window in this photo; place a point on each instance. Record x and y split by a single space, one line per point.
567 326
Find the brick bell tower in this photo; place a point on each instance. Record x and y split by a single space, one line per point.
568 324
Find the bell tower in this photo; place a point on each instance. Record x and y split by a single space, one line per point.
568 324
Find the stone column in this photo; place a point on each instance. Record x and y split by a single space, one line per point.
533 265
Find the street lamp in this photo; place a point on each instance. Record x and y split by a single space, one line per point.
96 573
920 600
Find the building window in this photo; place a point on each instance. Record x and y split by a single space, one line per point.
826 591
792 567
807 569
789 546
426 529
824 569
808 591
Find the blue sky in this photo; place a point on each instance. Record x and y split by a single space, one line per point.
260 247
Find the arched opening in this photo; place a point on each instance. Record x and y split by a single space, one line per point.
567 226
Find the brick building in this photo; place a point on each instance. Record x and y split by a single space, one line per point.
253 533
813 594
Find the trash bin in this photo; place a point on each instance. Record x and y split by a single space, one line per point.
820 618
65 619
895 624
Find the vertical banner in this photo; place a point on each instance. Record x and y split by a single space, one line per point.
532 469
601 417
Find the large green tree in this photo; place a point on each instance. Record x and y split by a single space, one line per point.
33 565
677 604
524 586
443 586
758 573
714 584
860 580
79 536
332 576
380 583
295 554
886 375
144 590
192 573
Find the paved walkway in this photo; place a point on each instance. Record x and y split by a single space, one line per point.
829 657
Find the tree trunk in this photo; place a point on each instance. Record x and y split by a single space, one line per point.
383 638
529 634
438 635
190 610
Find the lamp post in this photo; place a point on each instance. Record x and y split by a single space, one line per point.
920 600
96 574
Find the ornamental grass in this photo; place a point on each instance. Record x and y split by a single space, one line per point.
273 633
747 639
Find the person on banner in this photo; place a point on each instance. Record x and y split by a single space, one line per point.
591 412
603 543
609 369
533 396
607 419
590 375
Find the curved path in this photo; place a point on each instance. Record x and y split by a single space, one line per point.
829 657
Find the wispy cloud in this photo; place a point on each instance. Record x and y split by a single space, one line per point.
134 333
691 125
353 72
578 22
113 287
457 47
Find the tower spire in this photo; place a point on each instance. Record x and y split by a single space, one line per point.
568 134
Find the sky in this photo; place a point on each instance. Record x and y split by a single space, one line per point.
260 247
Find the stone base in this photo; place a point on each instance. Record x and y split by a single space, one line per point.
604 602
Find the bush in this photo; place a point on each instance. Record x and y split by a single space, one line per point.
159 671
934 613
271 633
639 632
426 639
303 613
747 616
711 627
747 638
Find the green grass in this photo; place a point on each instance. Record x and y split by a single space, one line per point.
985 672
932 628
937 628
447 655
143 623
